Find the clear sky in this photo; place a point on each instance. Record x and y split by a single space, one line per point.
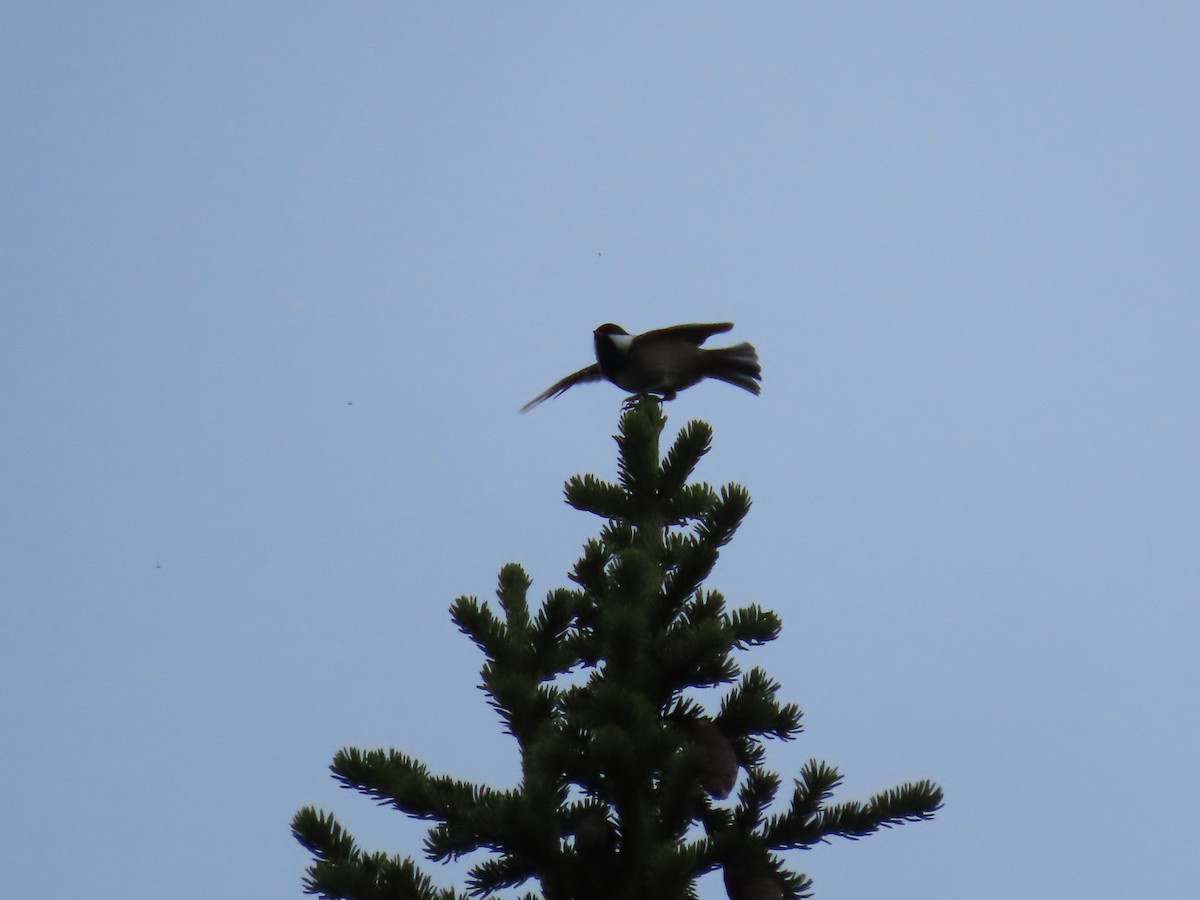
276 277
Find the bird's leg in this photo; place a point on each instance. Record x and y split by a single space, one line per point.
634 399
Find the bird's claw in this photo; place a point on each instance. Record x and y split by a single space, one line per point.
633 400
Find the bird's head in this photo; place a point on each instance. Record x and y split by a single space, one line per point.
613 336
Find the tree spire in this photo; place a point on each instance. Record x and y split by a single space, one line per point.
633 717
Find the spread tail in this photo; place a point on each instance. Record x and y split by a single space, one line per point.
735 365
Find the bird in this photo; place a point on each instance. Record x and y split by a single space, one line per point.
662 362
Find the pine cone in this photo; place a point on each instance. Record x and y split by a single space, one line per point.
594 834
720 761
753 887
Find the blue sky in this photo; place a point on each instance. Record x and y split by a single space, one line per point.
276 278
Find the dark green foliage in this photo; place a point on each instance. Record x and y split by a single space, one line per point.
624 768
342 870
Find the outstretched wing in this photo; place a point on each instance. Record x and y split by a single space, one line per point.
693 334
590 373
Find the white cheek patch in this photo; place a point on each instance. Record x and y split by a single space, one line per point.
622 341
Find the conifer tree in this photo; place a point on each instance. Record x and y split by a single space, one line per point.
633 719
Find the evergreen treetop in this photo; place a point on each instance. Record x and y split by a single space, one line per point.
633 719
